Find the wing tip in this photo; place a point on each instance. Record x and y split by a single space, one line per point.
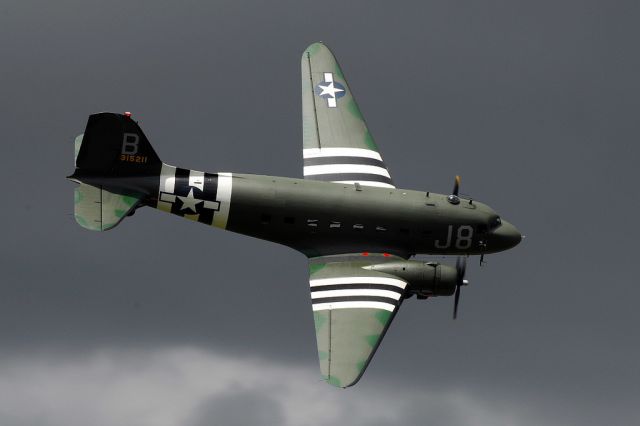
314 48
342 384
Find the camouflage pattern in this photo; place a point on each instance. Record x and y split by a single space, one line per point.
97 209
337 145
342 126
347 338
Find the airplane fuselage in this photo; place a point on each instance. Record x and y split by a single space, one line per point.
321 218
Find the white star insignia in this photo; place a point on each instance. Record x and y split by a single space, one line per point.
330 90
189 202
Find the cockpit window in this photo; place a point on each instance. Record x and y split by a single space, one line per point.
495 222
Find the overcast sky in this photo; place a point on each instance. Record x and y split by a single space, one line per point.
163 321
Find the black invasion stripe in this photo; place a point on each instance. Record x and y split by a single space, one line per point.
358 177
354 299
321 161
210 186
181 186
356 286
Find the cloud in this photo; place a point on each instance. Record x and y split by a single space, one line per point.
187 386
239 409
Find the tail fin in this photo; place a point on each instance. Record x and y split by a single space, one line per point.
116 168
114 145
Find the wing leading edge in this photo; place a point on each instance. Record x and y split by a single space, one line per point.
352 310
337 145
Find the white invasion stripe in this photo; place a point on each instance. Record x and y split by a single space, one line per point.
326 169
350 305
167 178
169 198
328 77
356 292
196 179
358 280
366 183
221 217
340 152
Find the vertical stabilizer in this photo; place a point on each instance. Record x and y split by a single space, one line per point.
116 167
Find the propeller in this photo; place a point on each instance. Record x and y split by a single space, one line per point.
456 186
453 198
461 268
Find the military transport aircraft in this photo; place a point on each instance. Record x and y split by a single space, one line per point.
356 228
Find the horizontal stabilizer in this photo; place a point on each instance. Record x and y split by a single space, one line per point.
97 209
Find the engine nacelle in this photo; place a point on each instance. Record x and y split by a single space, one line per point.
425 278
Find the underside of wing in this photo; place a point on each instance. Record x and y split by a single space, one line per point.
337 146
352 309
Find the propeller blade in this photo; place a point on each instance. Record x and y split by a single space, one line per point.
456 186
455 302
461 269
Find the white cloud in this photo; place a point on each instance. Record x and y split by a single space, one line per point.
179 386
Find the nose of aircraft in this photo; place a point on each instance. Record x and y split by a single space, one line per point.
505 237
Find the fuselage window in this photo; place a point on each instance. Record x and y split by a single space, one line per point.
358 226
289 220
334 224
312 222
381 228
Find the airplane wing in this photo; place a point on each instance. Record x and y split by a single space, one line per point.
352 310
337 146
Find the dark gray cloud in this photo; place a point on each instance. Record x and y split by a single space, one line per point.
535 104
240 409
188 386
